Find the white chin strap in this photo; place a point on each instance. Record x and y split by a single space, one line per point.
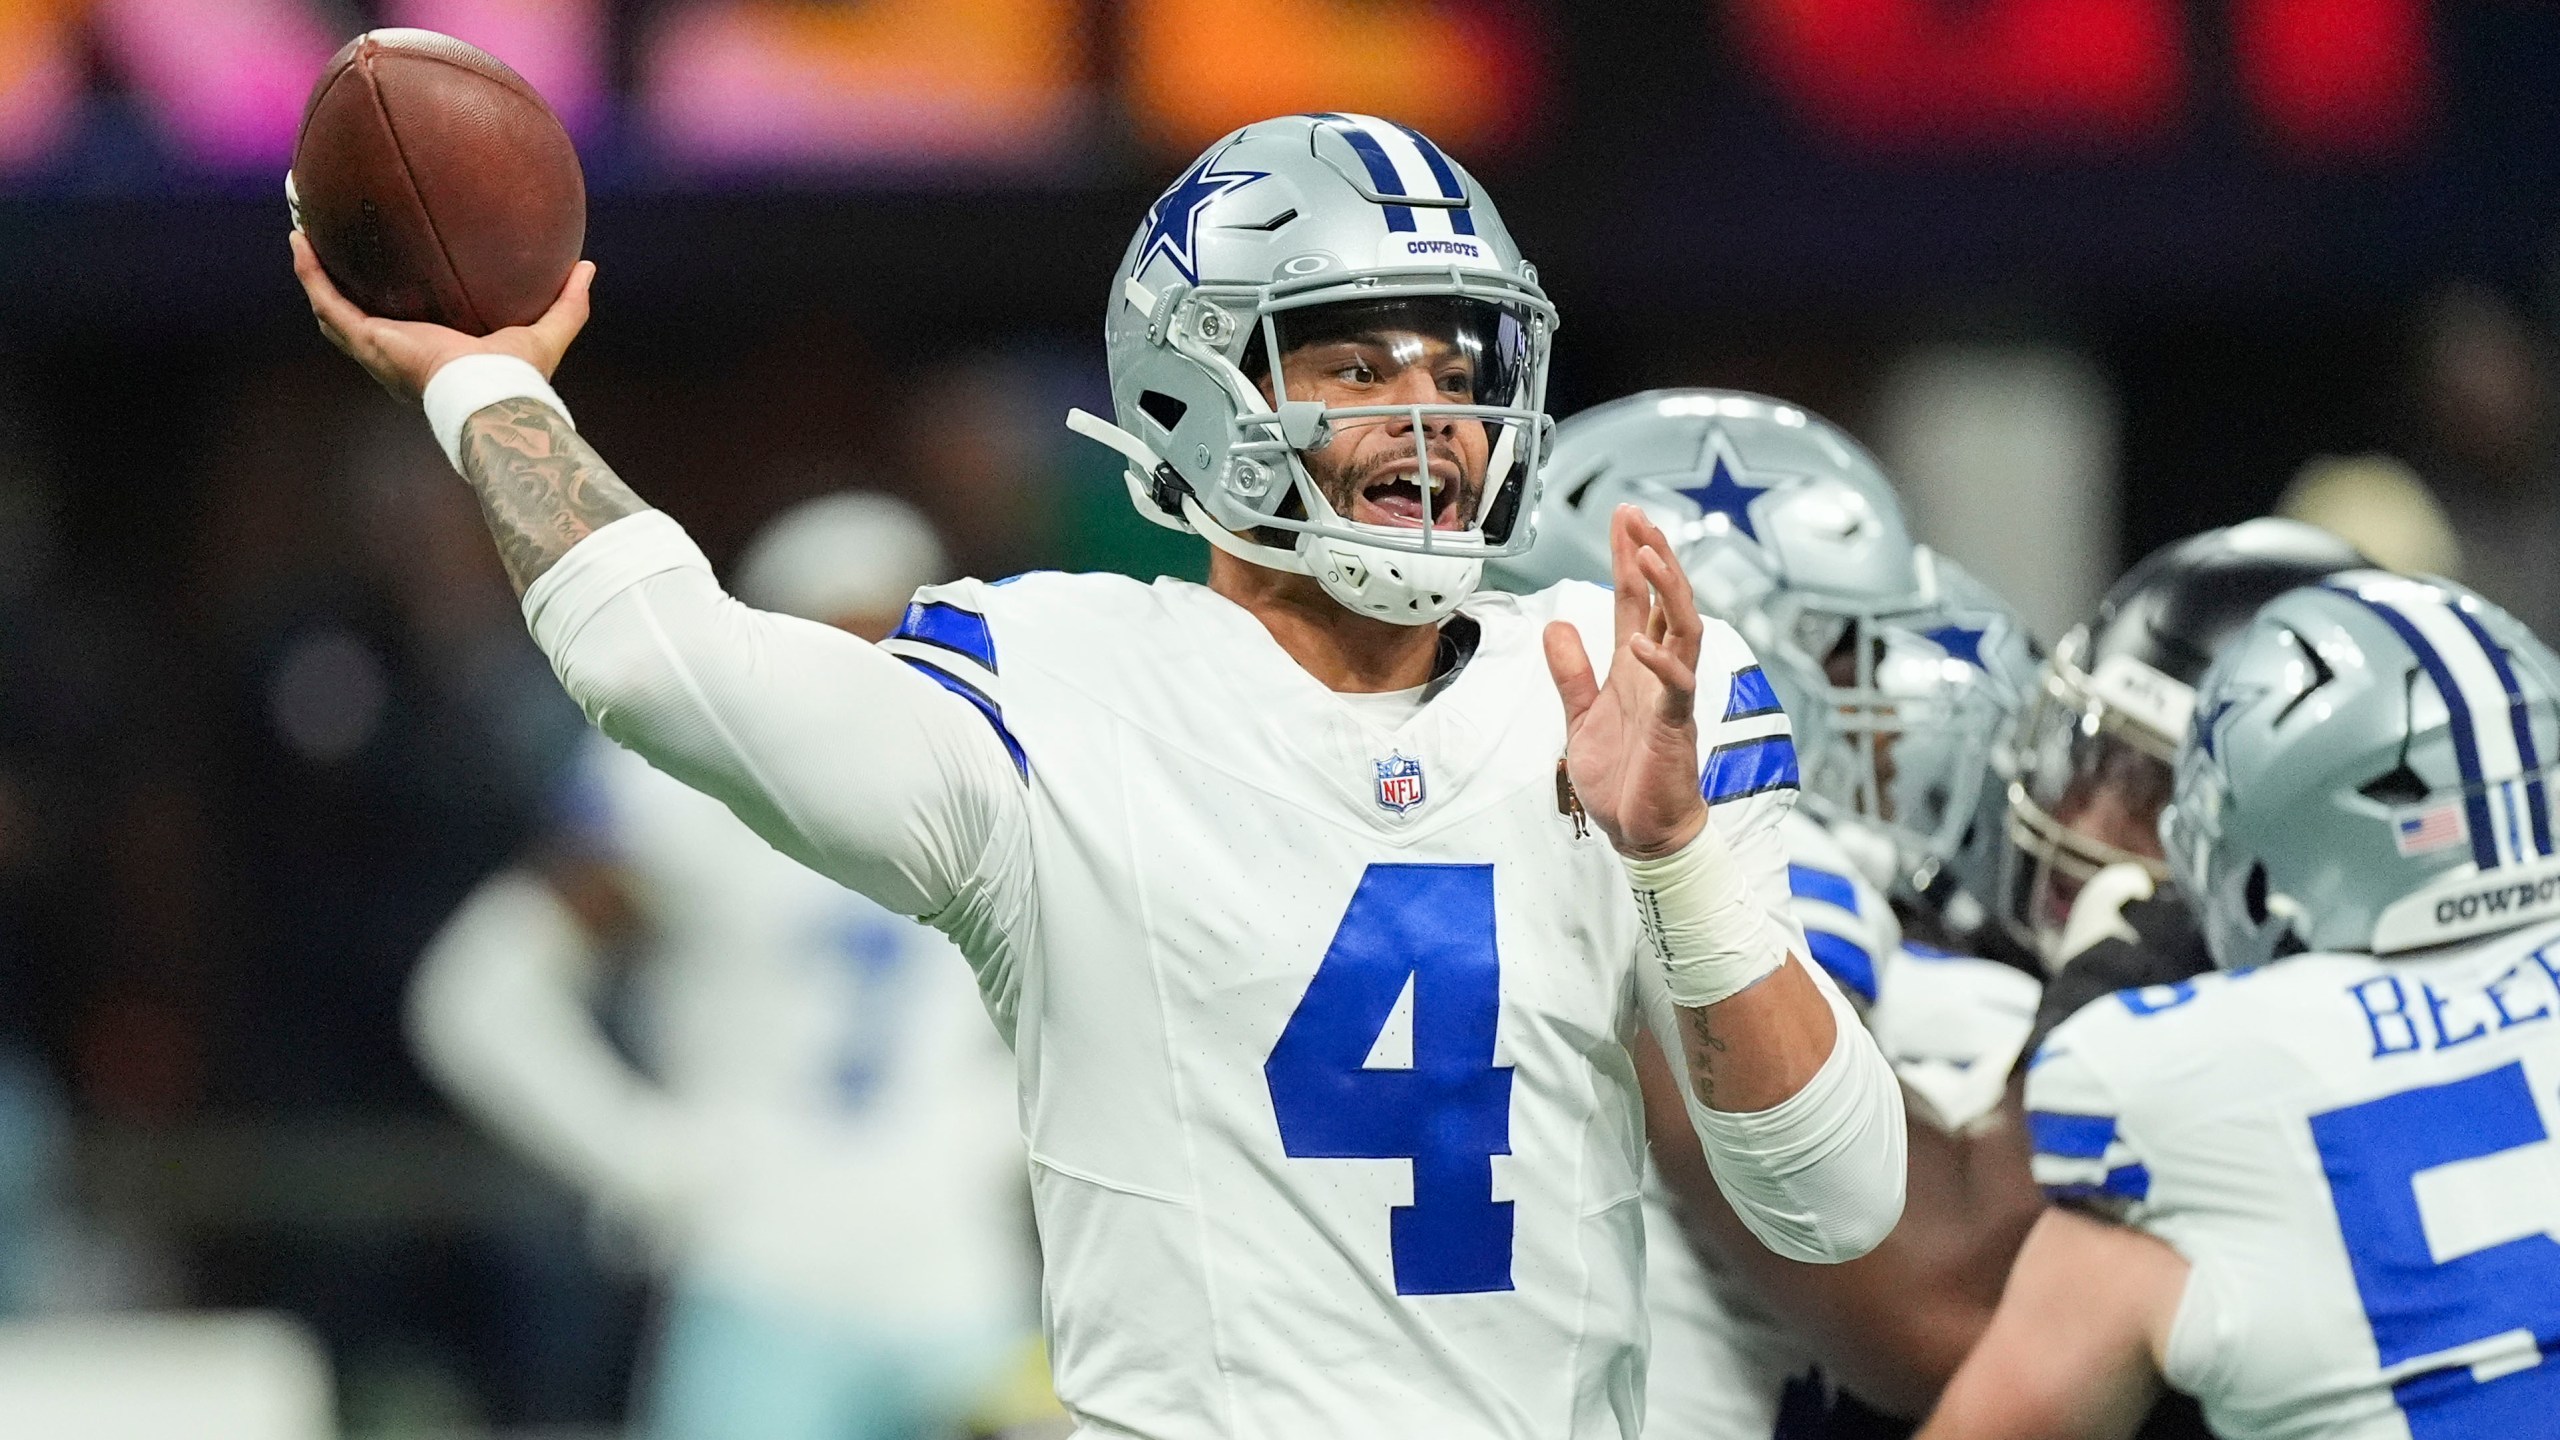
1392 585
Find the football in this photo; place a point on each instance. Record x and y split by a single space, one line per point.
436 184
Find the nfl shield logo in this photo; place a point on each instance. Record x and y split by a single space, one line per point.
1399 783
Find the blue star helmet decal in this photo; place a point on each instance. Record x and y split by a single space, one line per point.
1964 642
2208 722
1723 492
1173 226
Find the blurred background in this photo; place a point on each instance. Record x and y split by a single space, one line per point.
2088 274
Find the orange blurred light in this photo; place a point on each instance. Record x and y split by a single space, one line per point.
1464 74
40 79
801 82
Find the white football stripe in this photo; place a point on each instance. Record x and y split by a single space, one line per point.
1412 171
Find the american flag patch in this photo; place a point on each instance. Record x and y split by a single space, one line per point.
2427 830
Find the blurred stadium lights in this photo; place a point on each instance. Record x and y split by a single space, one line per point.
1186 89
2319 77
754 85
906 84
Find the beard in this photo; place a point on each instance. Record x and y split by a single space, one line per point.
1343 486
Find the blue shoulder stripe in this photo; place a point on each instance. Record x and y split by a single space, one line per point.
2073 1137
948 627
1752 695
1807 883
1847 960
2125 1182
985 706
1747 767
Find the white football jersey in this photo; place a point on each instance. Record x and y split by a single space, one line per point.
1723 1367
1952 1027
832 1060
2360 1159
1322 1021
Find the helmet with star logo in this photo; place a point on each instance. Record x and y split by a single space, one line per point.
1328 357
2094 756
1902 676
2369 769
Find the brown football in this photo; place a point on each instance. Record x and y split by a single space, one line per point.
436 184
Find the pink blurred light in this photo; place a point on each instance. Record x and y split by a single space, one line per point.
225 78
558 45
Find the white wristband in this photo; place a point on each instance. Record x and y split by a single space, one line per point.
463 388
1699 915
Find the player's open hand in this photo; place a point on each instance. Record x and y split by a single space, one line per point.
1631 745
404 354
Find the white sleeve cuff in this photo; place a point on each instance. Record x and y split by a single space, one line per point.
463 388
1819 1176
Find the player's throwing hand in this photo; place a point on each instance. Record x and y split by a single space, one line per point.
402 355
1631 744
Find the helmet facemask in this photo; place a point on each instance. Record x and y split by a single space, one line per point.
1392 451
2090 785
1910 735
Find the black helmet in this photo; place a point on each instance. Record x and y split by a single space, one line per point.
2095 755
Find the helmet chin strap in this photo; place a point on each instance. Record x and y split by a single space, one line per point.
1391 585
1252 552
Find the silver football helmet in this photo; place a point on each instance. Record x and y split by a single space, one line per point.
1313 230
1902 675
2095 751
2369 769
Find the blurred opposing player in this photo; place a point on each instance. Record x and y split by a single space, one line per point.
1903 677
2083 882
2319 1190
825 1143
1313 899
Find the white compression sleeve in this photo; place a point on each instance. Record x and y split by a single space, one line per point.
499 1014
1819 1176
833 750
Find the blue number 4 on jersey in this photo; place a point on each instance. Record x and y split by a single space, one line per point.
1450 1114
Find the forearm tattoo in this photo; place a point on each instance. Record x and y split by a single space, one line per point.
541 488
1704 1045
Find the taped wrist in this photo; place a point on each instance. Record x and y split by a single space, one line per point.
1699 914
464 387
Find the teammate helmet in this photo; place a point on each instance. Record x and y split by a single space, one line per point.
2369 769
1901 675
2093 759
1297 231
